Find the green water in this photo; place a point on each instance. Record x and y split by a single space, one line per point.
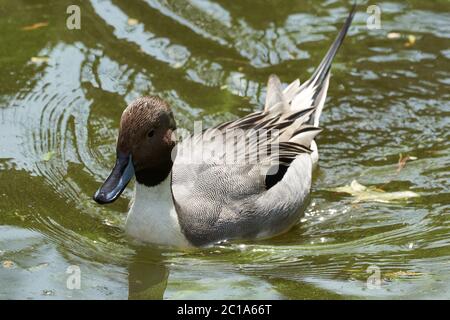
59 115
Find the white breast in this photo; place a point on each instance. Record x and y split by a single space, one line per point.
153 218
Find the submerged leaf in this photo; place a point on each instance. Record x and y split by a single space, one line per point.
401 274
411 41
363 193
48 156
35 26
38 267
402 162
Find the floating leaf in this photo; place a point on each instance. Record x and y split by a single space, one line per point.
394 35
132 22
8 264
177 65
411 41
39 60
35 26
363 193
48 156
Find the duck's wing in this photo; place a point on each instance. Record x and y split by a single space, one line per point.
226 184
216 203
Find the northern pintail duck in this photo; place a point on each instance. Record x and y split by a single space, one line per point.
185 196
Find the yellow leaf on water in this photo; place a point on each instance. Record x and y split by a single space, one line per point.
35 26
411 41
8 264
394 35
132 21
39 60
363 193
177 65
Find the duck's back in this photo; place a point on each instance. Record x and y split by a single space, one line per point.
218 201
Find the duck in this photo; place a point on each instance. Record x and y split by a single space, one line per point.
229 182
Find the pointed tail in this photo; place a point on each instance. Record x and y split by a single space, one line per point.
313 92
322 71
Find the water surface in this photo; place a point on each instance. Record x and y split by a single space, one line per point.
62 93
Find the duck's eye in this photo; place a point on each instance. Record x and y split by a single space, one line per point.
151 133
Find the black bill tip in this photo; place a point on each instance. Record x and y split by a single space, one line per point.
101 197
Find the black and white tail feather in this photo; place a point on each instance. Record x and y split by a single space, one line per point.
306 100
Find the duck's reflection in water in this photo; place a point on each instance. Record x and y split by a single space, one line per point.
147 275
